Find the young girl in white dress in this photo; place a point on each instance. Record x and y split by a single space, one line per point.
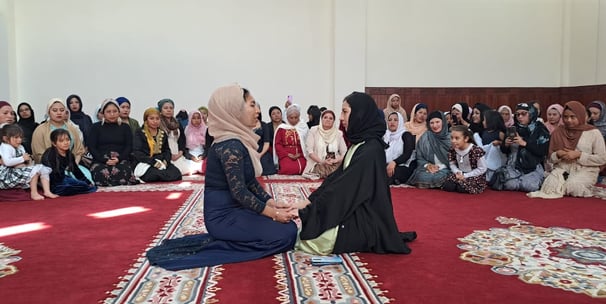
17 169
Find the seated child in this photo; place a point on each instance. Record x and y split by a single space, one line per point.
18 169
66 177
467 163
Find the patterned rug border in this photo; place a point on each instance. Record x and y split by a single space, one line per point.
349 282
130 284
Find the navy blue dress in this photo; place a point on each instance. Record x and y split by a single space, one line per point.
233 202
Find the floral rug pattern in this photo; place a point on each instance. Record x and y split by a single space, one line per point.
297 281
568 259
7 257
301 282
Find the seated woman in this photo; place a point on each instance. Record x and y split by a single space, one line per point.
576 152
6 116
81 119
111 143
476 124
432 154
195 135
598 115
313 116
460 114
352 210
417 125
490 141
325 147
124 104
151 153
394 104
41 141
400 153
176 138
66 177
243 221
554 117
289 143
27 122
525 152
263 130
507 115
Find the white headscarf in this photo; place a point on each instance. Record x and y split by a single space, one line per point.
225 110
394 139
301 129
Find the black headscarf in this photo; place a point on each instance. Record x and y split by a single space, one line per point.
478 127
75 116
28 125
364 123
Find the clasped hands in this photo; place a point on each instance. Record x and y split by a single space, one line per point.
568 155
159 164
432 168
294 156
283 212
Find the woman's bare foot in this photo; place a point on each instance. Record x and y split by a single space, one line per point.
37 196
50 195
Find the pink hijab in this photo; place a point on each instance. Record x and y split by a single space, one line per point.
510 122
195 136
560 110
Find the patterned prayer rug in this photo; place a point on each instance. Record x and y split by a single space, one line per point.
301 282
7 257
297 281
569 259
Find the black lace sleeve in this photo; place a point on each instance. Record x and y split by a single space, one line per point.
232 158
258 190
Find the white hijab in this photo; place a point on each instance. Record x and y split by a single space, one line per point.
394 139
301 129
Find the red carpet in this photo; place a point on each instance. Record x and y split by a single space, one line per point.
78 257
434 273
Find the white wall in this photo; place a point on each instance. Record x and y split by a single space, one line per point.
317 50
7 66
472 43
601 49
147 50
581 30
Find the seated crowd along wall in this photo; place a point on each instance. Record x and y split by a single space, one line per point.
443 98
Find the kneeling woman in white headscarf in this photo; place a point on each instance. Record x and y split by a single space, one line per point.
243 221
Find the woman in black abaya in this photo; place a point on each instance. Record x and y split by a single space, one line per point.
352 210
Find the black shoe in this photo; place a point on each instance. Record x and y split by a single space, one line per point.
396 181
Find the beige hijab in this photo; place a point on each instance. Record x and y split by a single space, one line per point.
225 110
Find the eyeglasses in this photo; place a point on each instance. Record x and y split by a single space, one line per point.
521 113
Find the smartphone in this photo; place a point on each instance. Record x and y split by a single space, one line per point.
326 260
511 132
289 98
